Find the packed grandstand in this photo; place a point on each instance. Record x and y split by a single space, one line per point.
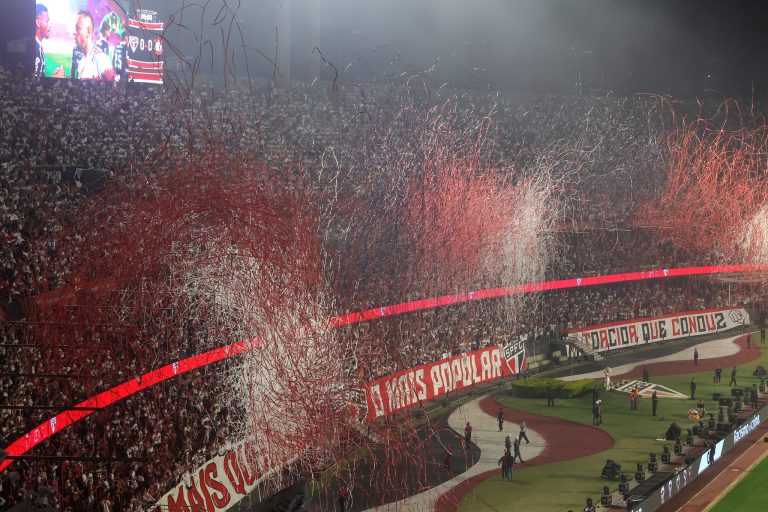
142 226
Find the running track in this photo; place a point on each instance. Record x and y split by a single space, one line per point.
581 441
103 400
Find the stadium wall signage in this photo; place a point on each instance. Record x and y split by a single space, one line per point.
674 484
615 335
404 389
221 482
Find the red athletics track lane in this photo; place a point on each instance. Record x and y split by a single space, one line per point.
63 420
683 366
580 441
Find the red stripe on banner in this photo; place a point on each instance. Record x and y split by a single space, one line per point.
145 64
145 26
121 391
139 75
148 72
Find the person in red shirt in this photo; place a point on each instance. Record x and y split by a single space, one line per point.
342 498
507 463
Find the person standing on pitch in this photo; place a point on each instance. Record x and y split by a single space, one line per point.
733 377
550 396
654 402
522 432
506 462
693 389
500 418
646 375
696 356
468 434
517 451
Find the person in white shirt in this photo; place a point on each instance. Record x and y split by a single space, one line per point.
94 63
522 434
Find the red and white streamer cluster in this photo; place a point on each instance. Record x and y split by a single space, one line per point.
755 237
716 191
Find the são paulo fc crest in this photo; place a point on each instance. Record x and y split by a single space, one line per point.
737 317
514 356
646 389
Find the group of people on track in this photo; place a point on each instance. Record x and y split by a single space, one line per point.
511 448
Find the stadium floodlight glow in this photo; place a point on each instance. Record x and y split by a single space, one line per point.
121 391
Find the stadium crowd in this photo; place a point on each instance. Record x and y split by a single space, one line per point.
53 136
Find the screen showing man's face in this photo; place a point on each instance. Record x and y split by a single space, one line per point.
84 33
42 23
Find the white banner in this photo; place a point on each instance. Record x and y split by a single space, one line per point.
398 391
220 483
640 331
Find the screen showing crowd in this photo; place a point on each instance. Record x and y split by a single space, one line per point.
98 40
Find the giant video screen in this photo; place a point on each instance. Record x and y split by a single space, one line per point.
98 40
